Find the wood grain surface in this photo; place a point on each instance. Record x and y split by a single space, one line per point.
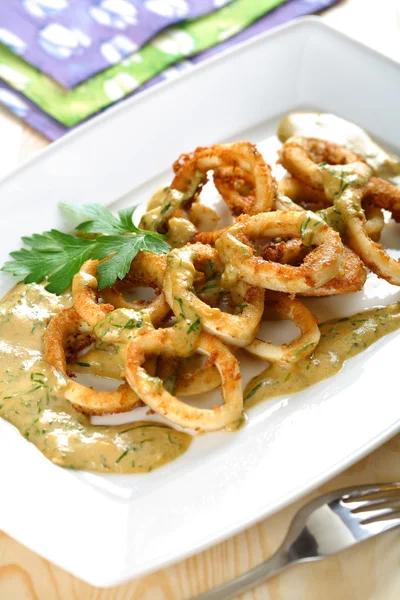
368 572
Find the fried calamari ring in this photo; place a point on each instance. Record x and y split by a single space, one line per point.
290 252
302 157
147 269
152 392
236 329
383 194
236 166
349 203
65 324
209 237
321 265
302 194
85 293
293 252
187 376
191 174
315 200
351 279
293 310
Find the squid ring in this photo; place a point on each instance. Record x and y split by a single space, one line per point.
186 377
190 175
289 309
321 265
370 252
293 252
302 194
309 198
91 402
234 329
146 269
302 157
229 162
152 392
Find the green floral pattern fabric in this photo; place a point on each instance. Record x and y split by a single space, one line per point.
190 37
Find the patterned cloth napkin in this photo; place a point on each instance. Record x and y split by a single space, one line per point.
177 42
32 114
72 40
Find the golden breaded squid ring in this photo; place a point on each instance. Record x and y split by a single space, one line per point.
293 310
302 157
302 194
309 198
187 376
322 264
147 269
65 324
349 204
191 174
352 277
152 392
235 329
85 292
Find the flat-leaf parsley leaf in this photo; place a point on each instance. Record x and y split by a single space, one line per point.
58 256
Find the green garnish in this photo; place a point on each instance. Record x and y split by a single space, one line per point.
300 350
304 225
255 389
57 256
180 302
122 455
194 326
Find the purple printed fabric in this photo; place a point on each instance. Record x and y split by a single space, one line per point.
71 40
52 129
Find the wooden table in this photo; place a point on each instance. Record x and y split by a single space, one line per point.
371 571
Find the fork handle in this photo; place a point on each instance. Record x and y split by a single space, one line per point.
278 561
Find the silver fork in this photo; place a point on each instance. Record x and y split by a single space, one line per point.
324 526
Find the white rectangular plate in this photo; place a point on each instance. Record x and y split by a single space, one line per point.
107 529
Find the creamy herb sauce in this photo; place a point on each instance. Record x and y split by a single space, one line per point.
342 132
340 339
31 398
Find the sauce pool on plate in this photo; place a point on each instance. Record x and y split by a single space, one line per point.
32 399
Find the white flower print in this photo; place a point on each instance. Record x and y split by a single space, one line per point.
168 8
13 102
120 85
175 42
220 3
114 13
227 33
17 80
177 70
117 48
11 40
61 42
44 8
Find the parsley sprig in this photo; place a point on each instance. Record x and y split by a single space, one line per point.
56 257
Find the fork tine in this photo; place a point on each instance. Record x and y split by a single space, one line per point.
377 505
373 493
389 515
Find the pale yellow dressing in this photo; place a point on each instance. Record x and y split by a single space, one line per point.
31 398
340 340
